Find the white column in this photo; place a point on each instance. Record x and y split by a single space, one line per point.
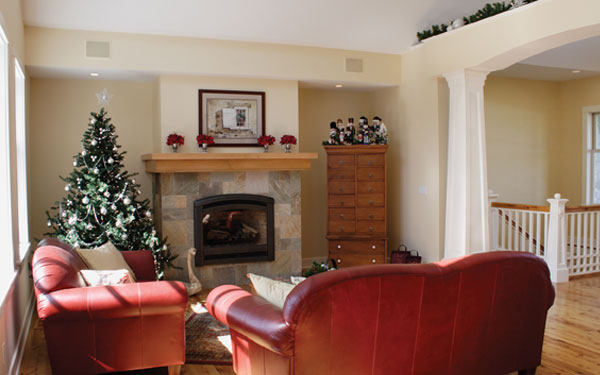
555 253
467 206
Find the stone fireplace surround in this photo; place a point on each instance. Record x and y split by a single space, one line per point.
174 195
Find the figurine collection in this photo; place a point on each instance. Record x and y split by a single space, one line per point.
364 134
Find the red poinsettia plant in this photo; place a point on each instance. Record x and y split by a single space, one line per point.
287 140
266 140
175 139
203 138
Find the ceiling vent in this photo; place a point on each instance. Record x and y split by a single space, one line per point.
97 49
354 65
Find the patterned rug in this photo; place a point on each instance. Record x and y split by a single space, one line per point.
207 341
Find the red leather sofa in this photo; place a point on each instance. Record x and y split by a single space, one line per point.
92 330
481 314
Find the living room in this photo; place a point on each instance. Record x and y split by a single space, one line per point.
153 78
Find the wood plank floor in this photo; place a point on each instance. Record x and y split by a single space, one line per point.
571 343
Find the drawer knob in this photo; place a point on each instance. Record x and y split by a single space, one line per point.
370 162
373 247
370 189
371 203
342 189
342 216
341 203
342 175
339 246
341 162
371 216
374 260
370 175
339 261
370 229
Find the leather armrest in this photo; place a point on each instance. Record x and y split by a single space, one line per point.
110 302
251 315
141 263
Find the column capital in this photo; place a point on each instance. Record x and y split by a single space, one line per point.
466 77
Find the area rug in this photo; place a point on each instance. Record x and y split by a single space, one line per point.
207 341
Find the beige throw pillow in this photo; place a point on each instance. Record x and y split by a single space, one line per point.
113 277
105 257
272 290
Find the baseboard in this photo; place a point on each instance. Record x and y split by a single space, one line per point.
307 262
15 364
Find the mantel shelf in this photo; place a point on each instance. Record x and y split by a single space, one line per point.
227 162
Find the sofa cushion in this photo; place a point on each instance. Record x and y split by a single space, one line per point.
105 257
273 291
106 277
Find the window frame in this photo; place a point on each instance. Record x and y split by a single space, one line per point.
589 150
21 162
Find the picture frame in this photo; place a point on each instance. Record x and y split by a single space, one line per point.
232 118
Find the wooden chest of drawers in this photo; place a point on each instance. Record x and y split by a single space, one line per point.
356 204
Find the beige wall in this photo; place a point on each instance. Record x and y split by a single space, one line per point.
317 109
179 108
60 114
523 132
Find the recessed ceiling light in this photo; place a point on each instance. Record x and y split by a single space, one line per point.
575 71
338 86
94 74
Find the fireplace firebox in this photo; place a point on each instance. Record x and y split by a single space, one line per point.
234 228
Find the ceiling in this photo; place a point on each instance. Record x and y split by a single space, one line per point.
559 63
388 26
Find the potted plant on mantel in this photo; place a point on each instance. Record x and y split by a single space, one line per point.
287 141
266 141
204 141
175 140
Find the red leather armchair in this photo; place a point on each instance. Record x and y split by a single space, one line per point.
479 314
92 330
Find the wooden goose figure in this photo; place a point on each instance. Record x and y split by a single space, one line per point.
194 286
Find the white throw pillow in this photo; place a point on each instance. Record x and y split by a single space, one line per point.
272 290
105 257
113 277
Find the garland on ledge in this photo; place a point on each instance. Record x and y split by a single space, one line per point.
487 11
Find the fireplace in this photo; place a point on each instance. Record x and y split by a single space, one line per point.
233 228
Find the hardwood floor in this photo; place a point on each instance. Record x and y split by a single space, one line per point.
571 343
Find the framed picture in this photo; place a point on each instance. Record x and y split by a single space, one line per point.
232 118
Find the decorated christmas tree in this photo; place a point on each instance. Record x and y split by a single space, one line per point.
102 203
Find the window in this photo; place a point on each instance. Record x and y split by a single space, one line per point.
591 140
7 269
21 142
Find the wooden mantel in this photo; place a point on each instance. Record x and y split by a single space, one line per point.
227 162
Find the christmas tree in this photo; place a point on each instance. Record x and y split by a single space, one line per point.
102 200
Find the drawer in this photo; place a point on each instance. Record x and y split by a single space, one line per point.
371 187
337 187
351 260
361 247
336 200
341 214
371 160
340 161
341 226
370 213
370 200
371 174
341 174
370 227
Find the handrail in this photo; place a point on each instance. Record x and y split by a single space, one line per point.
595 207
524 207
513 223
